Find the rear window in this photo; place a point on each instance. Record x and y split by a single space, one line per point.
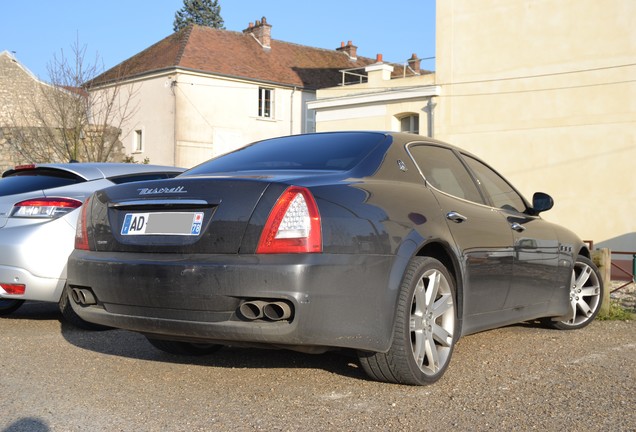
332 152
36 179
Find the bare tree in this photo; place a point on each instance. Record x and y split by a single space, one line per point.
72 118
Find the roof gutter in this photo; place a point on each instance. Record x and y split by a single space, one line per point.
374 98
176 69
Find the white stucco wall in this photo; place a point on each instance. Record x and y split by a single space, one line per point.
151 102
215 116
187 118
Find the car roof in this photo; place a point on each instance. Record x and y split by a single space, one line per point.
96 170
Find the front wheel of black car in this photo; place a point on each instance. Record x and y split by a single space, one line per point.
8 306
425 328
586 296
183 348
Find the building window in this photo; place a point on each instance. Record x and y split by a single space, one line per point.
138 141
410 123
265 102
310 121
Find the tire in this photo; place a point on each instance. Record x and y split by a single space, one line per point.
8 306
586 296
425 328
183 348
71 317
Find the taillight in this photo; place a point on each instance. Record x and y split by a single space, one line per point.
14 289
81 232
24 167
293 226
45 208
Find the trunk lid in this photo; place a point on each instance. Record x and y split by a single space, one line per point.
181 215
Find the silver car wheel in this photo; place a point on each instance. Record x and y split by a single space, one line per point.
425 327
585 293
432 322
586 297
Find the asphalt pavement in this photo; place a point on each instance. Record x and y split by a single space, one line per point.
54 377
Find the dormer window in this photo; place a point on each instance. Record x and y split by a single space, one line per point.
265 102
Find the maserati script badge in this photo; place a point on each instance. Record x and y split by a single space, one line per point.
162 190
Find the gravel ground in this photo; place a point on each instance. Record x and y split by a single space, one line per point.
58 378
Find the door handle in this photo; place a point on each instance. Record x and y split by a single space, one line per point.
456 217
517 227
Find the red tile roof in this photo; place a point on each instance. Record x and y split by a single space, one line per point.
239 55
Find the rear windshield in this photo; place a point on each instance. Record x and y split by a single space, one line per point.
333 152
36 179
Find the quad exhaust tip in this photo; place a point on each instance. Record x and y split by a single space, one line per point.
278 310
83 296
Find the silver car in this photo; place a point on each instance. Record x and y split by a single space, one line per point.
38 215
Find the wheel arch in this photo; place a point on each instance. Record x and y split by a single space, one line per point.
584 251
443 253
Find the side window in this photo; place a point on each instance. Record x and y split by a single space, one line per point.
499 190
444 171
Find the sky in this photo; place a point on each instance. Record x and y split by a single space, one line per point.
115 30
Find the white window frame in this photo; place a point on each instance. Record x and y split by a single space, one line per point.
265 104
411 117
310 121
138 141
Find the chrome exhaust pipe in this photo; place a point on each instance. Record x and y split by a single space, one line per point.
277 311
75 295
252 310
83 296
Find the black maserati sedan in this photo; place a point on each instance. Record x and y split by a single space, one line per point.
389 244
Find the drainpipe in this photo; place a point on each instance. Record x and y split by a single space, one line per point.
430 108
291 112
173 86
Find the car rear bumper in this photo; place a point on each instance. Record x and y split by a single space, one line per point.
335 300
36 288
35 254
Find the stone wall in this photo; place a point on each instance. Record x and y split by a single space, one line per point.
8 156
22 119
20 90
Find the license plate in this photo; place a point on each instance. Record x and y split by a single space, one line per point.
185 223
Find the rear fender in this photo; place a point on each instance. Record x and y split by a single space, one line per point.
414 244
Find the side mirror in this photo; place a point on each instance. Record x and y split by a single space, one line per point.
541 202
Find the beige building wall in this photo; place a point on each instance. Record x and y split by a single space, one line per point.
185 118
377 104
215 116
149 134
545 91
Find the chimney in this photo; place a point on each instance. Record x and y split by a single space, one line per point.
350 50
414 63
261 31
378 72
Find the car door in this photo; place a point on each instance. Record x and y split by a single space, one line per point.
481 232
536 248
